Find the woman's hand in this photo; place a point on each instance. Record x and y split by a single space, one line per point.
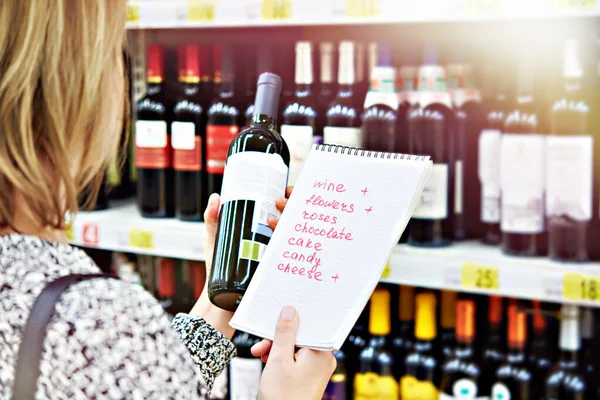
294 375
215 316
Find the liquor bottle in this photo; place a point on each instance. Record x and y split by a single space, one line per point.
207 78
184 290
514 380
569 165
300 115
356 342
422 375
430 132
326 88
540 353
245 369
488 166
461 374
257 162
522 172
566 382
222 120
379 117
152 143
360 66
494 350
285 68
407 97
186 138
343 118
375 377
165 279
466 100
264 63
404 332
448 324
197 277
337 387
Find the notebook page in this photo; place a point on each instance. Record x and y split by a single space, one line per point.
327 254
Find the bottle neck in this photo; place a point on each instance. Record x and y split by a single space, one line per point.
303 89
516 353
263 121
572 86
154 87
227 88
327 65
190 88
568 359
345 91
464 348
304 70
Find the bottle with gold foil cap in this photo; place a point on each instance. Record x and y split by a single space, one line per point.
494 349
375 379
421 377
448 323
404 332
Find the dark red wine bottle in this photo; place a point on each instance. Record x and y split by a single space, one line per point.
153 143
255 176
326 87
222 119
186 138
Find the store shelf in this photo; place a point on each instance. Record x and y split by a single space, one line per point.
175 14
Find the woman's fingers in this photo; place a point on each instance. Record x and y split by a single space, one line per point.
262 348
272 222
281 203
211 215
288 191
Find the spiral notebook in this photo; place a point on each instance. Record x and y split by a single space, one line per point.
346 214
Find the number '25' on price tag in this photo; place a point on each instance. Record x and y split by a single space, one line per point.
476 276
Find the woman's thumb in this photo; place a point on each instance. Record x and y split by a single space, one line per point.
211 215
284 343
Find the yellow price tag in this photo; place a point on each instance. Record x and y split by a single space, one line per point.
276 10
133 12
70 232
577 287
141 239
474 276
363 8
485 7
386 270
201 10
575 4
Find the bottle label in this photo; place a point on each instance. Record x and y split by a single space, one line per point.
463 389
500 392
569 176
350 137
218 140
187 147
489 175
458 187
336 388
461 96
388 99
433 87
413 389
299 139
522 183
433 203
370 386
244 378
152 150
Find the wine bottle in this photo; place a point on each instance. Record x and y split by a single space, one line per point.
496 101
404 332
422 376
152 143
360 66
255 176
379 117
264 63
197 277
222 120
300 115
186 135
207 77
569 166
375 377
566 382
514 380
337 387
494 349
522 172
589 349
430 132
462 373
343 118
245 369
184 291
407 97
541 358
326 88
356 342
165 279
448 324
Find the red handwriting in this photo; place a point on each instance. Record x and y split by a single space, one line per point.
332 233
295 270
329 186
368 210
335 278
319 217
316 200
364 191
312 259
306 243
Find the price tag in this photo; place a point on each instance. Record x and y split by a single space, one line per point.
484 7
133 12
363 8
386 270
277 10
141 239
70 232
90 234
475 276
201 10
577 287
575 4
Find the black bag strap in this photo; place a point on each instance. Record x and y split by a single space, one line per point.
27 369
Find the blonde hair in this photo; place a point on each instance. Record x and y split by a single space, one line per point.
62 102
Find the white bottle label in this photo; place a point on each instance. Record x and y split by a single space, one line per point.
463 389
458 187
299 139
245 378
433 203
489 175
569 171
522 182
151 134
183 135
342 136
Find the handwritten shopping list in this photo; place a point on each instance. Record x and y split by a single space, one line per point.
331 244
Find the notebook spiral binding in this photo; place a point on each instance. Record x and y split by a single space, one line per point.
333 148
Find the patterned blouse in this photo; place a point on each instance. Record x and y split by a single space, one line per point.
108 339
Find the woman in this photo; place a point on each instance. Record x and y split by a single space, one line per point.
62 96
